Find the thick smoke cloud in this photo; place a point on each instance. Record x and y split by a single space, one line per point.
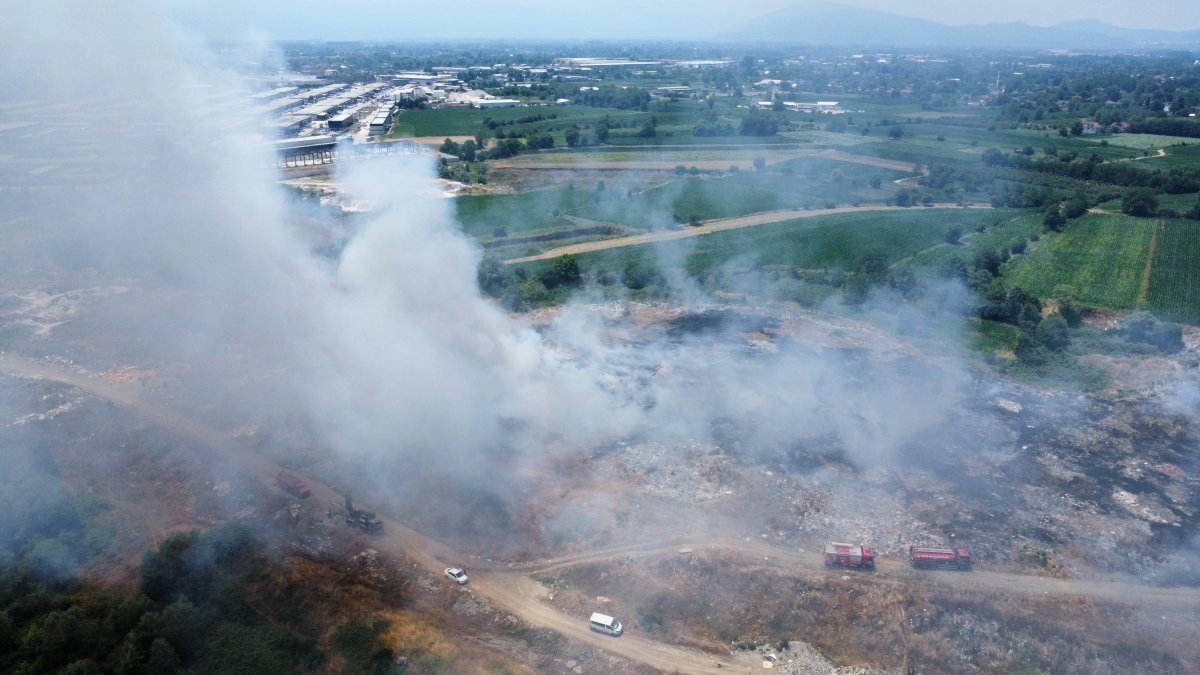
127 180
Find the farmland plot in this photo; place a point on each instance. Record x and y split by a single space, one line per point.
1101 258
1175 276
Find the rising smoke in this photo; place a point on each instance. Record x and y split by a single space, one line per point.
158 230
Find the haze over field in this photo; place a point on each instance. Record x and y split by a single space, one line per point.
180 245
639 339
624 19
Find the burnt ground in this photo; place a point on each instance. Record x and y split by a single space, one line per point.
1036 481
1090 484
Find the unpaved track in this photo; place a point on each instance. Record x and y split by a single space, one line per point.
510 588
512 592
1144 287
892 571
719 225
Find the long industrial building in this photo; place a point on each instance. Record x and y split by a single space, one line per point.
381 122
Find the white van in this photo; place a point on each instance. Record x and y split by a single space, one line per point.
605 624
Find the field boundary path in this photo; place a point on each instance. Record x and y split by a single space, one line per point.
1144 288
722 224
1161 152
511 589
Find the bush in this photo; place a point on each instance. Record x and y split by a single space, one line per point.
1145 328
1052 333
563 271
1139 202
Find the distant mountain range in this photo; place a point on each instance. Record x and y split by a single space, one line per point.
831 24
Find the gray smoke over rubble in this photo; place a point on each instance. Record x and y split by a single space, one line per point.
144 229
133 184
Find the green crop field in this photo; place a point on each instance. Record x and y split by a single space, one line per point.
1146 141
1101 258
1178 157
1005 229
808 183
466 121
481 216
1181 203
681 200
682 135
1175 278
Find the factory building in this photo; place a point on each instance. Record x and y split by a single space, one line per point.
342 120
268 96
494 102
381 121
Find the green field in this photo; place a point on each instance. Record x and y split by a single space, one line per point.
805 183
481 216
1174 292
1146 141
679 201
1005 229
1101 259
466 121
1178 157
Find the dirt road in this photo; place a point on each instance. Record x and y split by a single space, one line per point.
510 589
720 225
892 571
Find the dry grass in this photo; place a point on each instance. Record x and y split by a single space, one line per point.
409 632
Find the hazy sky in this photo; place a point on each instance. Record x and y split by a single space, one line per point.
669 19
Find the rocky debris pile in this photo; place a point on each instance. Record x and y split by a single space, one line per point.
369 563
424 581
842 505
690 471
467 605
869 515
800 658
291 511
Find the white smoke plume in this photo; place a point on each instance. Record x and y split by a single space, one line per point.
128 178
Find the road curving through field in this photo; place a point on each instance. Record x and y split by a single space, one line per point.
722 224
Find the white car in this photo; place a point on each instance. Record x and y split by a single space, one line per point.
456 574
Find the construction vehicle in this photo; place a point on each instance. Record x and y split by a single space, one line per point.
940 558
292 484
364 520
848 555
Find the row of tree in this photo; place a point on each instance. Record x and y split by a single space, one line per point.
190 614
1174 181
